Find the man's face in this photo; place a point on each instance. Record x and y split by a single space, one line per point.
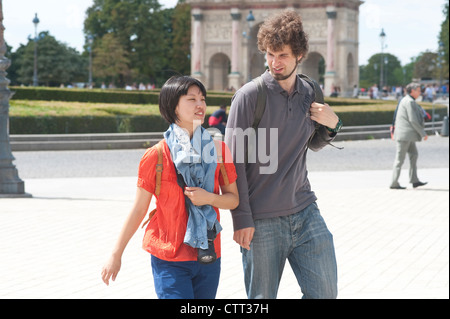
416 93
282 64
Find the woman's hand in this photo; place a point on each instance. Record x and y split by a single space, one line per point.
229 199
111 269
198 196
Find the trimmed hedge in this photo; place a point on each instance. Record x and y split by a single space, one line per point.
86 124
116 123
138 97
155 123
101 96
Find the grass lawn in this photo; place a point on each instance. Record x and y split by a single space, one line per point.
60 108
30 108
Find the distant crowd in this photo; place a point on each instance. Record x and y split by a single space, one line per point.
430 92
128 87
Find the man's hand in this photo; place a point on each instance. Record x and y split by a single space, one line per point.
244 237
324 114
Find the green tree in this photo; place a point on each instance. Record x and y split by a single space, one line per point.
141 28
426 66
444 39
56 62
110 60
392 71
180 51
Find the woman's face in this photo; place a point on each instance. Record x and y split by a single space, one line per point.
191 109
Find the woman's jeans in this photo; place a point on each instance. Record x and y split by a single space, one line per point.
185 279
303 239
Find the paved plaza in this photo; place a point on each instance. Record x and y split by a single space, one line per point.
389 243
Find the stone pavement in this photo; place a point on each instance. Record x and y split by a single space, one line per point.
389 243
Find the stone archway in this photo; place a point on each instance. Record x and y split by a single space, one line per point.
219 68
314 67
220 26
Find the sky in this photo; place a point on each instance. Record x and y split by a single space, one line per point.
411 26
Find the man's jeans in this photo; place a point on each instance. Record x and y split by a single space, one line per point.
303 239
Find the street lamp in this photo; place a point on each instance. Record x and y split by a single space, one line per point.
440 57
382 39
35 76
250 19
90 41
10 183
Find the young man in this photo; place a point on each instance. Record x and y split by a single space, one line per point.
277 218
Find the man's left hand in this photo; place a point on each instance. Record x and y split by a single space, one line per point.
324 114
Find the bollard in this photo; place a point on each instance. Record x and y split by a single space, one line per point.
444 130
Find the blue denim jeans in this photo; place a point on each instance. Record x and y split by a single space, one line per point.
185 279
302 238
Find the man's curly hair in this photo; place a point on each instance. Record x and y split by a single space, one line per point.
282 29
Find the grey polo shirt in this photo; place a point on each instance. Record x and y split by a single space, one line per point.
275 183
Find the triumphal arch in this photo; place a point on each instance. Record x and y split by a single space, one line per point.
224 54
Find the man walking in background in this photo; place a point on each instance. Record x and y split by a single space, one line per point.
409 129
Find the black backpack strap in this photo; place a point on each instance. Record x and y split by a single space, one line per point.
319 99
260 102
317 90
258 114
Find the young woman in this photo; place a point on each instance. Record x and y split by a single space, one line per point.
186 222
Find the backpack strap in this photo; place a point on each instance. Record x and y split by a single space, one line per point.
260 102
261 98
317 90
318 99
159 169
223 171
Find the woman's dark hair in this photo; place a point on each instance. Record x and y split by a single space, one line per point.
170 94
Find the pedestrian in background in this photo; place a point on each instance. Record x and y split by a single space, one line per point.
219 119
409 129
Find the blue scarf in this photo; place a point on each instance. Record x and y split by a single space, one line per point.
196 161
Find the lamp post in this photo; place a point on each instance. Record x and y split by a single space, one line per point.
10 183
382 39
440 56
250 19
90 41
35 76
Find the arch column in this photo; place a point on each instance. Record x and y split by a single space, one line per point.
234 78
330 73
196 45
